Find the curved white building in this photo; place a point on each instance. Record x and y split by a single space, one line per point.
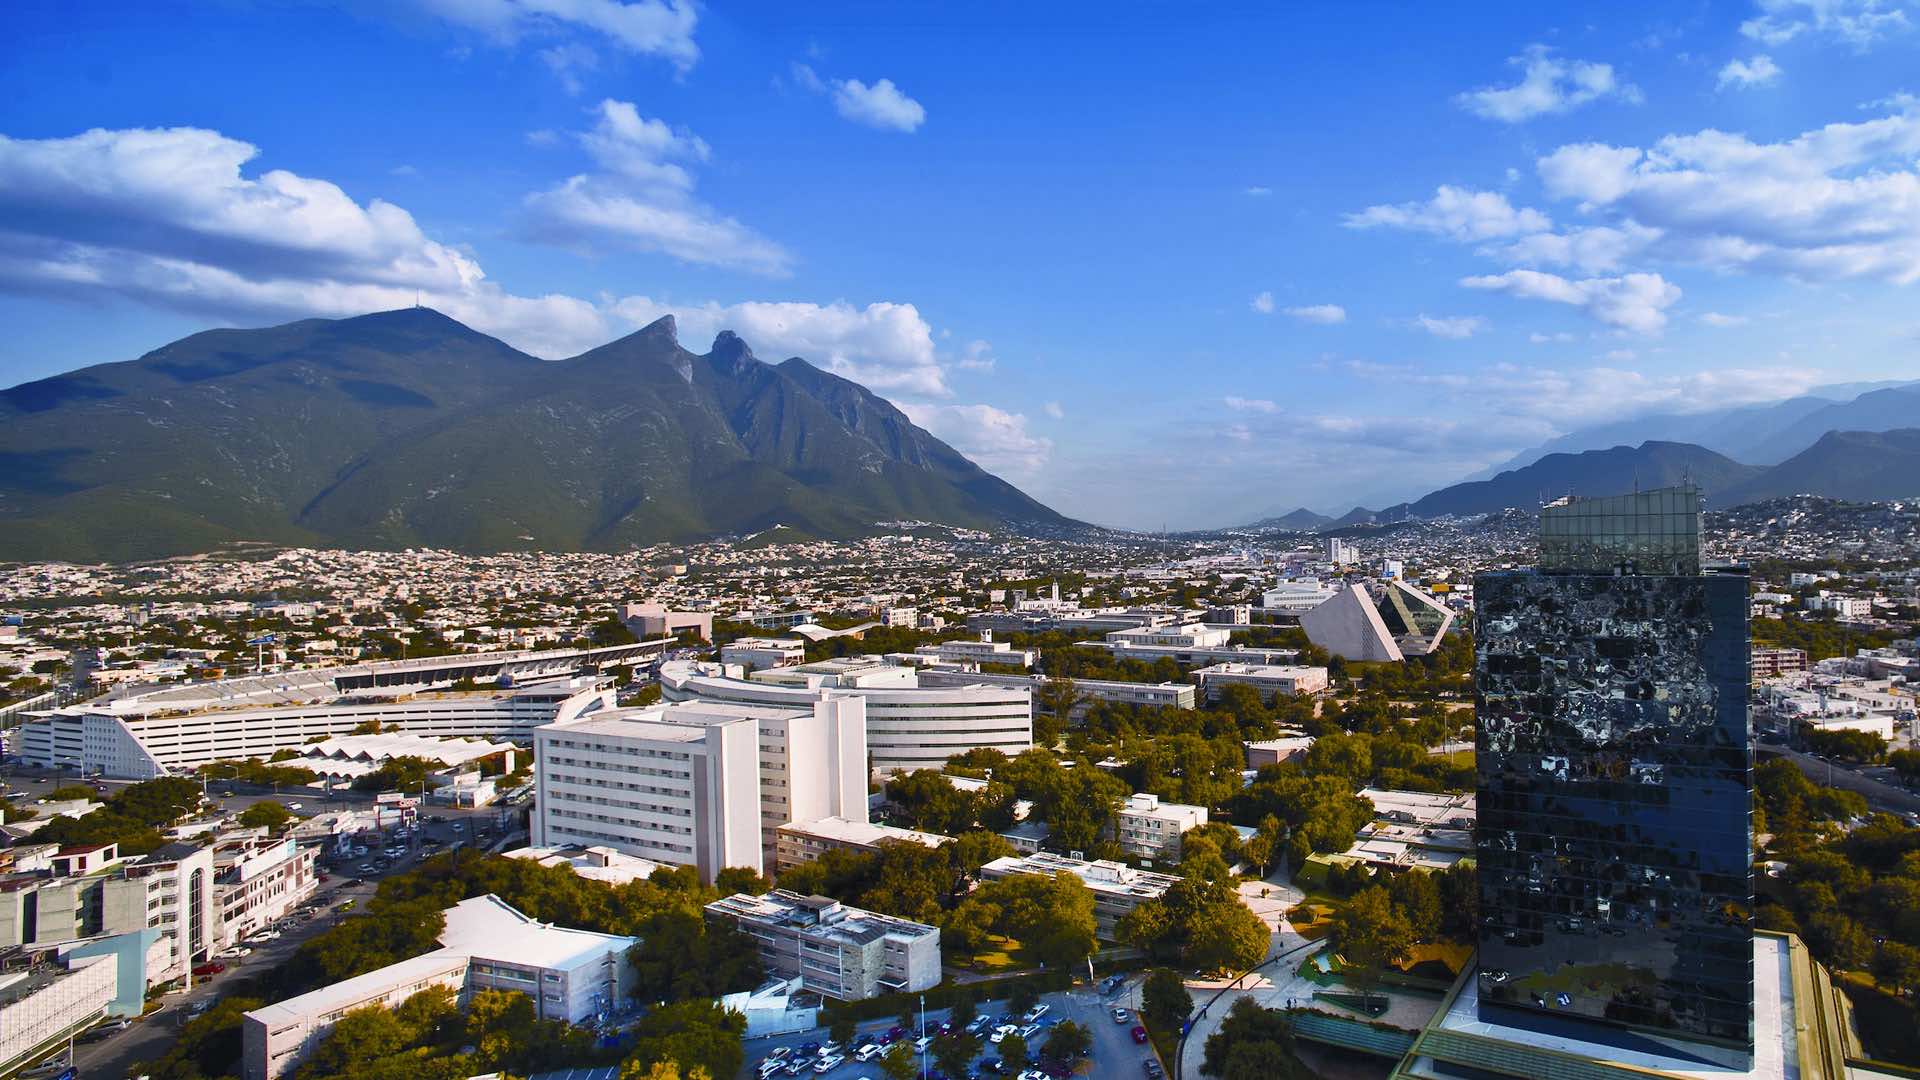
141 732
908 726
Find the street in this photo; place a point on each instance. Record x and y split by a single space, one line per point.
1880 795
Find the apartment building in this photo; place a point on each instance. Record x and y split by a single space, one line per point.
258 881
1147 828
1771 663
172 890
1117 888
834 950
984 651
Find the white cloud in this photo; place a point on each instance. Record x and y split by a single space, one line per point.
1595 249
643 200
1714 318
661 28
1054 410
1259 192
1550 339
1325 314
567 61
1263 303
881 105
1758 71
165 217
1455 213
1549 85
883 346
996 440
1858 23
977 356
1837 202
1633 302
1454 327
1239 433
1554 400
1258 405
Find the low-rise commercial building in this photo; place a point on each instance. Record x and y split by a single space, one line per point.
1117 888
571 975
757 654
1771 663
258 881
1167 695
984 651
1269 680
1184 636
834 950
805 841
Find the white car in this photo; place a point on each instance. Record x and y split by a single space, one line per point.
1001 1032
1037 1012
867 1052
920 1044
829 1063
293 806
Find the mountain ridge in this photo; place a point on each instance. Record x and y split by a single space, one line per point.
407 428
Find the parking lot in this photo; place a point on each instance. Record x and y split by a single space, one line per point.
1115 1054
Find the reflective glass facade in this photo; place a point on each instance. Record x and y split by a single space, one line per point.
1615 778
1650 532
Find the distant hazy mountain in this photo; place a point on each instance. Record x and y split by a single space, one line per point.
1760 434
1859 466
1593 472
1301 519
407 428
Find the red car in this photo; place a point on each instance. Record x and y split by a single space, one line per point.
1139 1034
206 971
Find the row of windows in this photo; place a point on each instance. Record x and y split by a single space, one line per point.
637 826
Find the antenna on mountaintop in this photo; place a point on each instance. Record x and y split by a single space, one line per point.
416 298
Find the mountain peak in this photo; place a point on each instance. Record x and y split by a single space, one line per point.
662 330
730 353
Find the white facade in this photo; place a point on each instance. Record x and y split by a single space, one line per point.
1171 695
755 654
683 791
123 739
1186 636
805 841
40 1009
571 975
835 950
1268 679
259 882
909 725
172 890
1150 829
985 651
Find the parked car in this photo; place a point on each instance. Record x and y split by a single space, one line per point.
1121 1016
209 970
1030 1031
829 1063
1037 1012
867 1052
1139 1034
1000 1033
1151 1067
920 1044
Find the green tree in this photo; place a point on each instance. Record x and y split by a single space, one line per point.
842 1029
1164 1000
1368 934
962 1010
265 815
1013 1051
1226 937
67 792
1906 763
900 1062
692 1035
1023 995
954 1052
1253 1043
1067 1041
209 1043
681 954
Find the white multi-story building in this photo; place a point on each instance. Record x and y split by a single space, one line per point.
756 654
834 950
1269 679
1172 695
1117 888
172 890
805 841
257 882
1147 828
42 1007
685 791
150 731
1296 596
910 725
571 975
984 651
1185 636
1341 553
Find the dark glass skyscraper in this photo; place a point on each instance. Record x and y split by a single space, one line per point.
1615 776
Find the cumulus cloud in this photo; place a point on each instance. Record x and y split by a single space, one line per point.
1714 318
1838 202
883 346
1858 23
642 199
1548 84
1457 214
1550 339
662 28
567 62
1632 302
1054 410
167 218
1258 405
881 105
1455 327
1325 314
976 356
996 440
1263 303
1758 71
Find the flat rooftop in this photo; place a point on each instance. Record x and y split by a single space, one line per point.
681 721
852 831
1775 1032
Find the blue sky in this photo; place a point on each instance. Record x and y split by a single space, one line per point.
1157 265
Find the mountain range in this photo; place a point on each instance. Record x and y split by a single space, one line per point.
1858 466
406 428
